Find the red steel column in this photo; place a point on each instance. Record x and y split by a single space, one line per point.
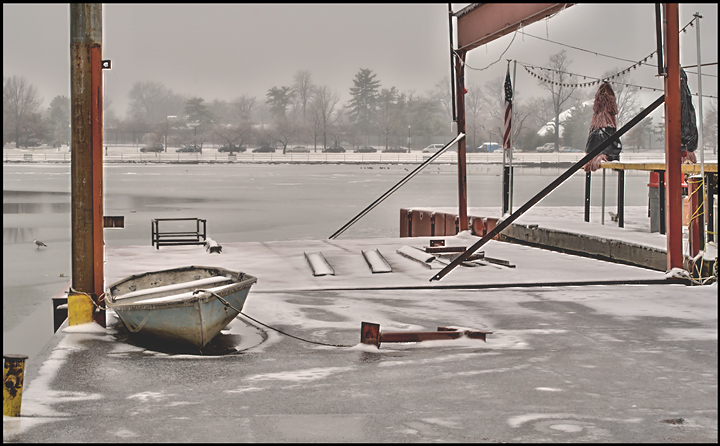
87 158
462 169
673 173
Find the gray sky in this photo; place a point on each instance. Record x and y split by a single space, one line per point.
223 51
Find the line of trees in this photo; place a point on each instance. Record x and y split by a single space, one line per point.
305 113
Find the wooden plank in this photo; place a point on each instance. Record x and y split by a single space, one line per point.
654 166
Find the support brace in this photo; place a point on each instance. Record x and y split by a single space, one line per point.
370 334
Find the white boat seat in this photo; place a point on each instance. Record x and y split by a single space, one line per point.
177 297
200 283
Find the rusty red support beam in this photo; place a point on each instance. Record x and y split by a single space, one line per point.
462 167
370 334
673 157
481 23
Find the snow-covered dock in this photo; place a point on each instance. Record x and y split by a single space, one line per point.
581 350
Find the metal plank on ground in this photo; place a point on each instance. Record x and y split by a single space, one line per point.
376 262
318 264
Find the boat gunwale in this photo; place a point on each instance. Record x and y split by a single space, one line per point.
114 303
187 302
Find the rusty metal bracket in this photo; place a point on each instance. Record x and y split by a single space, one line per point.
444 249
370 334
110 221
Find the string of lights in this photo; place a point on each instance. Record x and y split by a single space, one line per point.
596 81
683 30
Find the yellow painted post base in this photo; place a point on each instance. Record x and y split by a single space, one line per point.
13 377
80 309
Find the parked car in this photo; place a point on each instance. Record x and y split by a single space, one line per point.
193 148
547 147
264 149
480 149
395 150
489 147
566 149
153 148
297 149
432 148
231 148
366 149
334 150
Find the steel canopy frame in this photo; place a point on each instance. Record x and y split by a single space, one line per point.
477 25
481 23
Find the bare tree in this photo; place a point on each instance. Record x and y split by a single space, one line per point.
302 88
341 130
152 102
234 135
110 119
241 108
21 102
323 107
473 111
57 120
710 126
443 94
285 130
560 93
493 106
390 106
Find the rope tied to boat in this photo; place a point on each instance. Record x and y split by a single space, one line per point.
101 298
227 304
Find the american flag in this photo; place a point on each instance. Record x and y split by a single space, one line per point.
508 110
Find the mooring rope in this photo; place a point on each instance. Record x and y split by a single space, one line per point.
226 303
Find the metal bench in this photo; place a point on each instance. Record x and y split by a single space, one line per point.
169 238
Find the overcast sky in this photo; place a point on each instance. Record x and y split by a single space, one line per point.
223 51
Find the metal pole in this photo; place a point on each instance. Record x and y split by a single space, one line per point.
462 168
673 174
703 208
512 139
400 183
602 212
87 157
452 62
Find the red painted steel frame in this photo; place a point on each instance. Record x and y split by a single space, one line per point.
481 24
673 174
97 180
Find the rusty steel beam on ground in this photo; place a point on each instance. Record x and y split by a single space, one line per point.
86 159
371 334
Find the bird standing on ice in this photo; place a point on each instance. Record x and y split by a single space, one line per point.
39 243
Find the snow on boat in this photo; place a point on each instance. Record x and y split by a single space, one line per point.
167 304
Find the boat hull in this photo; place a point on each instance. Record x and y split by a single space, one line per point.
167 304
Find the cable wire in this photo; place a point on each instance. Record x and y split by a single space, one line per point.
226 303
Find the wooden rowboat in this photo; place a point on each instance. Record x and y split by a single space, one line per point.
167 304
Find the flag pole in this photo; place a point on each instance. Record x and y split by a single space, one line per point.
512 138
506 143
